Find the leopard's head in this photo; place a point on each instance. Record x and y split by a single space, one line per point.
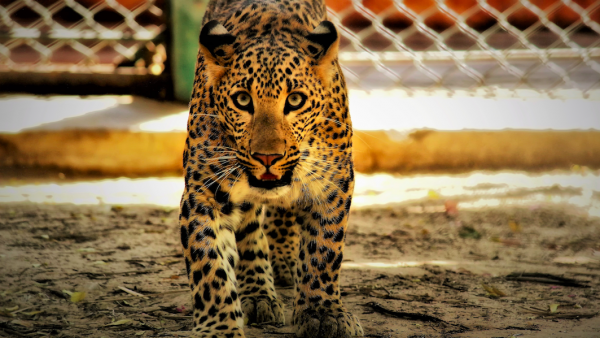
268 89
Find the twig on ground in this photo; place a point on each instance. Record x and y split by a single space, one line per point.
169 292
131 292
148 296
22 272
446 283
560 315
593 275
102 274
171 317
373 292
175 334
21 310
410 316
138 310
13 332
492 291
531 328
545 278
100 253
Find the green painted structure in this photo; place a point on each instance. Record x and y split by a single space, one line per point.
186 17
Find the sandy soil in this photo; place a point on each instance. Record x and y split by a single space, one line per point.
102 271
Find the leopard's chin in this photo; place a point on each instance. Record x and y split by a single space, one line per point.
264 195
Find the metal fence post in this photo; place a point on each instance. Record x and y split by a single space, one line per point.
186 16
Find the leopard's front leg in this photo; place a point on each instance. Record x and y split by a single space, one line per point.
254 272
210 256
318 308
282 232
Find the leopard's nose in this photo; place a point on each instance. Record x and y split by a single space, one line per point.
267 159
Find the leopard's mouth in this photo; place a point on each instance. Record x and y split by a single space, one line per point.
270 181
269 177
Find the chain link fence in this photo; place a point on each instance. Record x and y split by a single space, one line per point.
98 41
473 45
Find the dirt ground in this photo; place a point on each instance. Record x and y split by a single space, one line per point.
102 271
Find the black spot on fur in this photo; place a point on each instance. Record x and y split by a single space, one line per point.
246 206
315 285
187 266
207 296
208 232
213 311
185 210
193 226
198 303
312 247
206 268
306 279
315 299
330 256
325 277
227 208
248 255
197 254
339 236
221 274
338 262
184 237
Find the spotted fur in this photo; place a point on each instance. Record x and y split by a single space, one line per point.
296 160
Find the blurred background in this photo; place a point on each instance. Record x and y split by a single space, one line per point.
445 95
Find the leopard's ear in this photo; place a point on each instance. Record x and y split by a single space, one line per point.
322 46
216 44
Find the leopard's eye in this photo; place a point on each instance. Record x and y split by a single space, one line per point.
243 99
295 100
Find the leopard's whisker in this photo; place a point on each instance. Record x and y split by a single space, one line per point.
303 149
324 167
303 183
321 177
306 186
211 115
349 127
229 173
339 123
314 160
217 162
236 180
217 147
313 174
211 181
221 158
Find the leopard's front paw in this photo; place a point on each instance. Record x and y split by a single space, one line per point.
263 310
334 323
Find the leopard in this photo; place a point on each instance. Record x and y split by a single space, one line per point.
268 170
